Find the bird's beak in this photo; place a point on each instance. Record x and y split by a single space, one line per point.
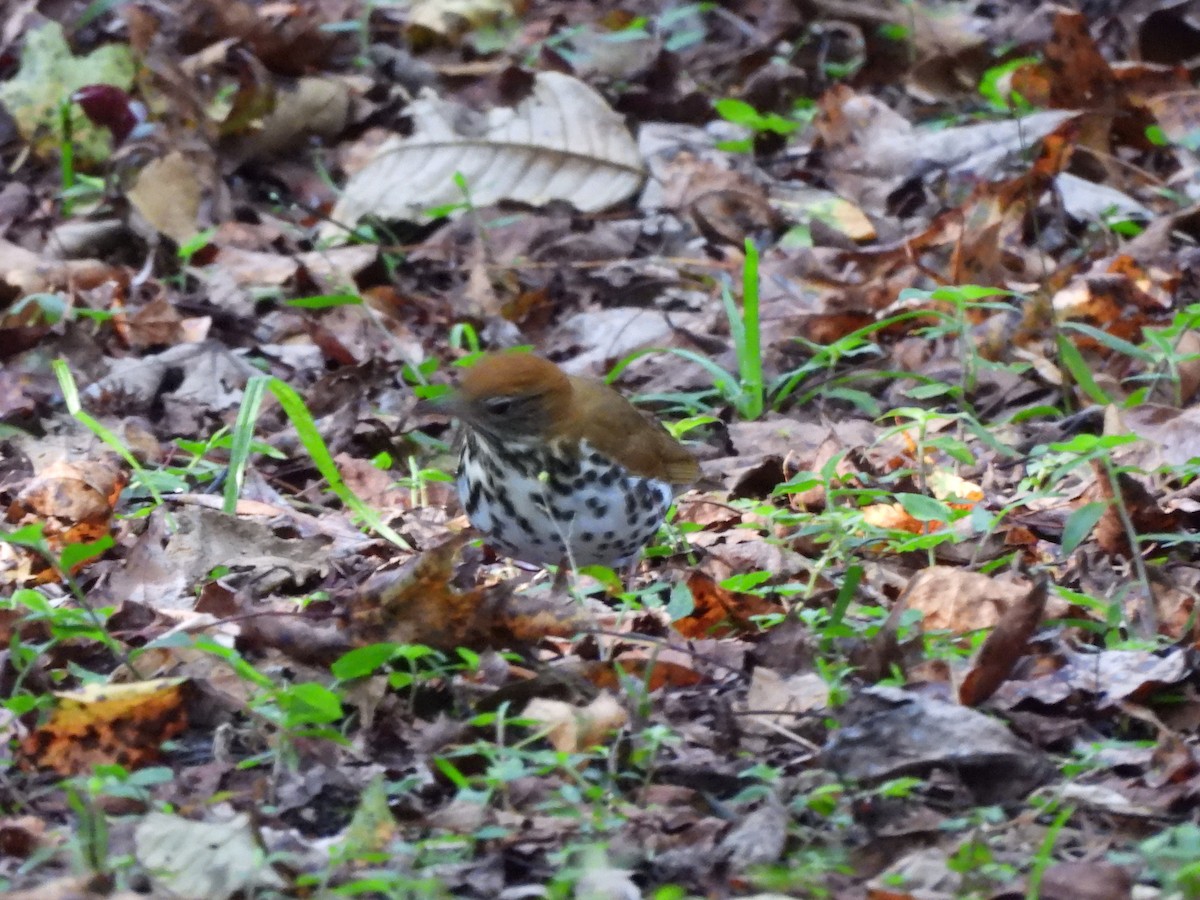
447 406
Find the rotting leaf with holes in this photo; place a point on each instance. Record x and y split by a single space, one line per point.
74 503
126 724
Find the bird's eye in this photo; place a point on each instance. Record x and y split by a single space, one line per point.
498 406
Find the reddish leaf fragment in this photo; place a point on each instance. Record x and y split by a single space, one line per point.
654 673
721 613
110 107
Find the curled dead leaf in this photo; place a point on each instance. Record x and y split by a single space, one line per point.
418 604
571 729
1006 644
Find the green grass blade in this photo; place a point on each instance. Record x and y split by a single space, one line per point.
725 382
1074 363
310 437
241 441
750 353
70 391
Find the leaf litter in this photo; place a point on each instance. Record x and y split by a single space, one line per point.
926 627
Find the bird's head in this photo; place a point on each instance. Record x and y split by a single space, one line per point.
511 396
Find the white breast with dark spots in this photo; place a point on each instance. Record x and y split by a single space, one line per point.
533 500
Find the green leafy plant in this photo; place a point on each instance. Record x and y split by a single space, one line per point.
1163 356
1173 856
744 389
828 359
974 858
52 308
951 308
739 112
310 437
70 394
825 374
995 86
76 188
194 245
418 480
411 666
1087 449
64 622
324 301
1189 140
288 711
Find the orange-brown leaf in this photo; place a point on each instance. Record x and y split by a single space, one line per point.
108 723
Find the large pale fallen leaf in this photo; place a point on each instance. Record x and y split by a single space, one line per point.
1088 201
562 142
872 148
203 859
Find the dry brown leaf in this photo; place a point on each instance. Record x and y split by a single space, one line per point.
21 836
255 268
167 193
892 516
873 148
307 106
26 272
1093 879
956 600
73 887
159 324
1137 503
73 501
725 205
1107 679
644 666
289 38
418 605
336 268
782 701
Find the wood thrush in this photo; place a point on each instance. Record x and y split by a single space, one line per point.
557 468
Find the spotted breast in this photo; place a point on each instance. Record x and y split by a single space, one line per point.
556 468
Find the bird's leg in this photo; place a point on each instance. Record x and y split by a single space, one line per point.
566 566
629 572
562 578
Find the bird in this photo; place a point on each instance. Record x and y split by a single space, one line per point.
561 469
